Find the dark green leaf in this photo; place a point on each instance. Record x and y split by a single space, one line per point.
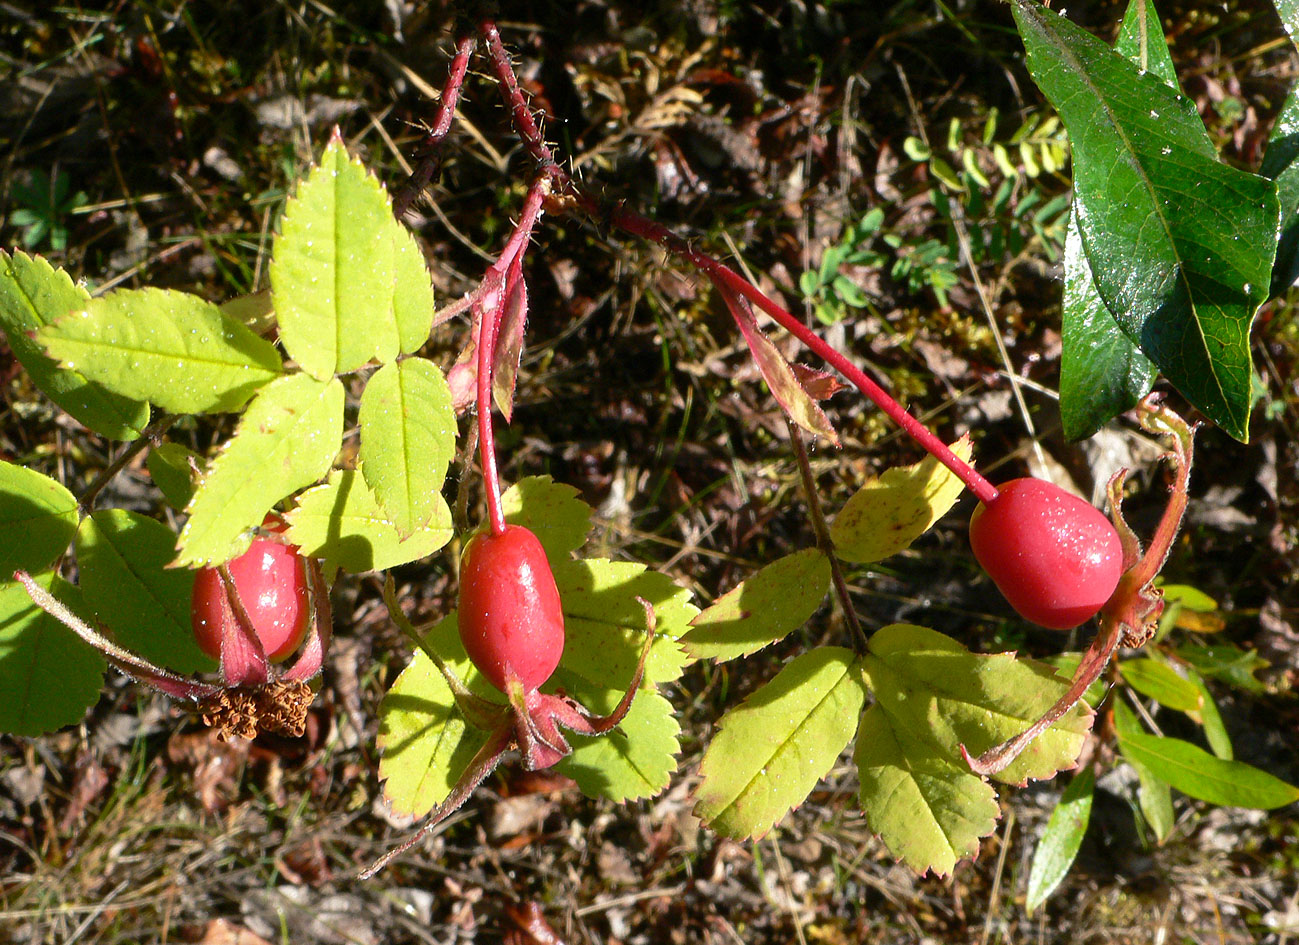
38 517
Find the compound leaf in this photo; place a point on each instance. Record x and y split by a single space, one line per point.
48 676
124 578
170 348
772 749
34 294
38 517
408 435
342 523
287 439
348 282
887 514
761 609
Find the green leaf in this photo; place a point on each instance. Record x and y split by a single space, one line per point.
553 512
929 811
772 749
38 517
1226 662
1154 796
1102 371
1180 245
1161 683
1141 39
604 627
342 523
169 466
125 580
761 609
1281 164
934 690
1210 719
887 514
348 281
170 348
637 759
424 742
1195 772
287 439
1288 10
408 436
34 294
48 677
1061 840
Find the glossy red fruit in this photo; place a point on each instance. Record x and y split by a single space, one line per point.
272 585
509 614
1056 558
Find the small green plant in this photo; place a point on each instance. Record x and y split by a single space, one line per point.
44 204
828 288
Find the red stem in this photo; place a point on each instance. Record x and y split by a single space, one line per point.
490 311
637 225
430 149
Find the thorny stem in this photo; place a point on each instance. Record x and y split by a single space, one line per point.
151 435
430 149
822 529
637 225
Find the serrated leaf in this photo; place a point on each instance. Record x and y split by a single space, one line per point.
48 676
124 578
169 467
935 690
929 812
424 743
887 514
34 294
635 760
408 436
1154 796
1195 772
342 523
1061 840
553 511
38 518
348 282
772 749
1180 244
604 627
761 609
1160 682
287 439
170 348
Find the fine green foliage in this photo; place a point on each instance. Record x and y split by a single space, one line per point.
1180 244
34 294
887 514
1061 840
38 518
287 439
408 436
761 609
170 348
773 748
348 281
342 523
122 557
48 676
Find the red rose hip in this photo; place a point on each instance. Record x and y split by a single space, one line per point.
509 613
272 585
1056 558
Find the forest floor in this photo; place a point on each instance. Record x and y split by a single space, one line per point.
157 140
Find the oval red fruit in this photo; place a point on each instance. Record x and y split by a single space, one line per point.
272 585
509 613
1056 558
